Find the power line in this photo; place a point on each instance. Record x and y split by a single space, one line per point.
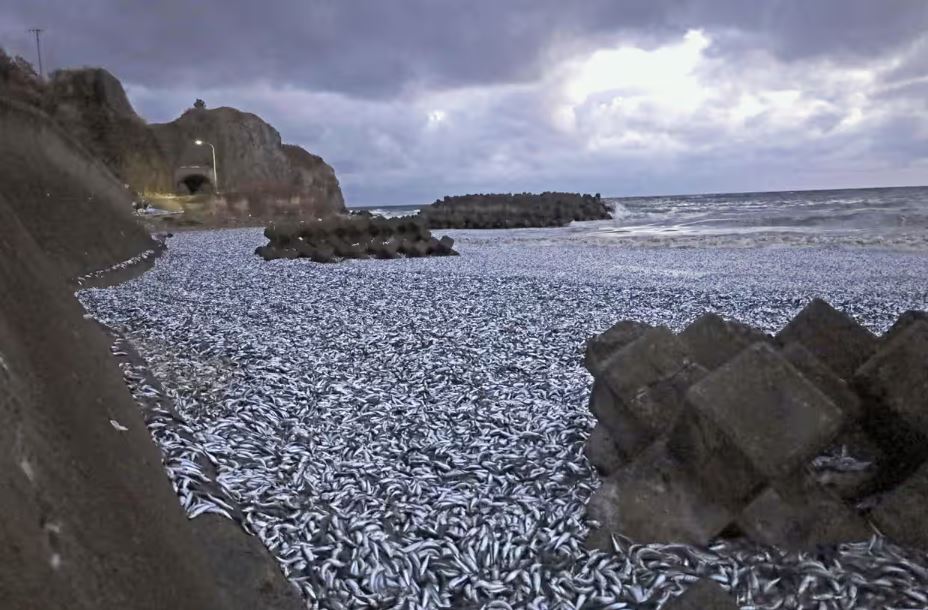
38 48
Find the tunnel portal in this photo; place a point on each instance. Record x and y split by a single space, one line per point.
194 180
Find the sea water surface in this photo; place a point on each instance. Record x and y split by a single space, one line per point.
891 218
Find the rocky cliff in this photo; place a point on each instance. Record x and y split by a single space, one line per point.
75 209
259 176
93 106
88 519
253 163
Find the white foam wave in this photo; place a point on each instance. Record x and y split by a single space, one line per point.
394 212
619 211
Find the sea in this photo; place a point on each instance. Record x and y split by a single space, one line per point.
892 218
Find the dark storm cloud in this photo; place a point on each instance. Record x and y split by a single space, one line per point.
413 99
373 48
360 47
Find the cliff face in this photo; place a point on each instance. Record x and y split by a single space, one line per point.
252 161
315 176
93 106
74 208
259 176
88 519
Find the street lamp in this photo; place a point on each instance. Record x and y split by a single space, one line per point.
215 170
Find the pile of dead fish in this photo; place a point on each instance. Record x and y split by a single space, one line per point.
135 260
410 435
362 235
797 441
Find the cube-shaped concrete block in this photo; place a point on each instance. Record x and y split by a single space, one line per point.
658 405
655 355
714 462
896 378
901 514
705 594
832 336
769 411
894 388
601 451
628 434
654 499
902 324
904 448
602 346
713 340
824 379
797 514
850 468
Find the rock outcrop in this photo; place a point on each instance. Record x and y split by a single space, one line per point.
19 81
795 441
254 164
93 106
259 176
88 519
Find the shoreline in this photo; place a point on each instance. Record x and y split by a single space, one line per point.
241 562
121 272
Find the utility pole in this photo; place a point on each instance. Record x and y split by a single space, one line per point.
38 48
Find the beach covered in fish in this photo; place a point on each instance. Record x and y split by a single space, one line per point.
409 433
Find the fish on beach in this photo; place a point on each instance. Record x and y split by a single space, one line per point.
401 443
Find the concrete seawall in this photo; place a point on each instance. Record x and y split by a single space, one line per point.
87 517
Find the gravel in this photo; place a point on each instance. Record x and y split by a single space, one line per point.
409 433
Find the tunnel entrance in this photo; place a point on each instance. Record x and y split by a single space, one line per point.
194 180
197 183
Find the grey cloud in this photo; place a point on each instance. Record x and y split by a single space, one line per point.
381 49
347 79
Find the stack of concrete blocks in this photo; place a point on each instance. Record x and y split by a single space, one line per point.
813 437
355 236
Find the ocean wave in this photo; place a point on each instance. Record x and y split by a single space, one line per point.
899 241
619 211
388 212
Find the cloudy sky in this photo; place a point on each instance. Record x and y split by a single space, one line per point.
410 100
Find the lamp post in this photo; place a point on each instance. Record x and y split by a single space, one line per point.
215 170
